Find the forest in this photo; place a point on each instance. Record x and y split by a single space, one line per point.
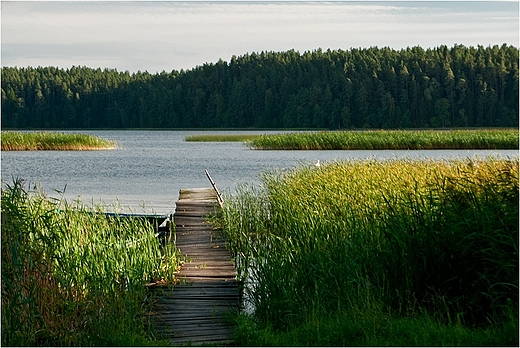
383 88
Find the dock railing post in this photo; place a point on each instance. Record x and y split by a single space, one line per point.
219 196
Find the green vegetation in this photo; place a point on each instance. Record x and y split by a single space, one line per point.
380 140
19 141
72 276
222 137
376 88
364 253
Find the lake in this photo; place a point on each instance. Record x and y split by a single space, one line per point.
149 168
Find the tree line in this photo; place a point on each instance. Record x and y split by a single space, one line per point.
373 87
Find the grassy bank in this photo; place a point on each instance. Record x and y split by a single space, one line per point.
73 277
380 253
389 140
22 141
221 137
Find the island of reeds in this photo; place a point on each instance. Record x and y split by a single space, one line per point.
389 140
221 137
379 253
31 141
73 276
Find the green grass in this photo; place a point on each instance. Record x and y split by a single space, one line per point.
392 140
377 330
221 137
28 141
361 252
72 276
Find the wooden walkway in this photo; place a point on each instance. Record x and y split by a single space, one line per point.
194 311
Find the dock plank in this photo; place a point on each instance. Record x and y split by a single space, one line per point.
193 311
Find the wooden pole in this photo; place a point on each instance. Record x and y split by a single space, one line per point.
219 196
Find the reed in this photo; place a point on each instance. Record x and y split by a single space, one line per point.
28 141
390 139
73 276
221 137
374 242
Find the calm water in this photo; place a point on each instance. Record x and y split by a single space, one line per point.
149 168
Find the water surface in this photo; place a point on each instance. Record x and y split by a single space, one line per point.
149 168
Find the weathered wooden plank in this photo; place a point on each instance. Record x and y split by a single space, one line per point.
208 269
190 280
207 289
189 196
189 221
201 207
194 326
204 250
210 203
207 238
210 263
189 329
202 295
204 258
184 314
192 233
186 198
196 289
192 273
190 237
216 297
202 305
193 321
204 292
202 288
218 313
194 255
199 191
215 284
198 335
201 250
222 339
198 332
213 297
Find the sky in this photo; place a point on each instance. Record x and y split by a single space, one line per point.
157 36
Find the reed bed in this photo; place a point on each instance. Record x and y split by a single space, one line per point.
221 137
358 252
73 276
30 141
389 140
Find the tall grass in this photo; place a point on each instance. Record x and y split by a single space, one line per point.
392 140
73 276
222 137
368 244
21 141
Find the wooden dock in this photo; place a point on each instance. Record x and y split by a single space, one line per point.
194 310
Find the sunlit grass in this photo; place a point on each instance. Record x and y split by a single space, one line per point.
29 141
389 139
221 137
374 249
71 276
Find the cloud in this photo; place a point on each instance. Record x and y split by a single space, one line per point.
157 36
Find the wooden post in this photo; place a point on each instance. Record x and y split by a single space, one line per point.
219 196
